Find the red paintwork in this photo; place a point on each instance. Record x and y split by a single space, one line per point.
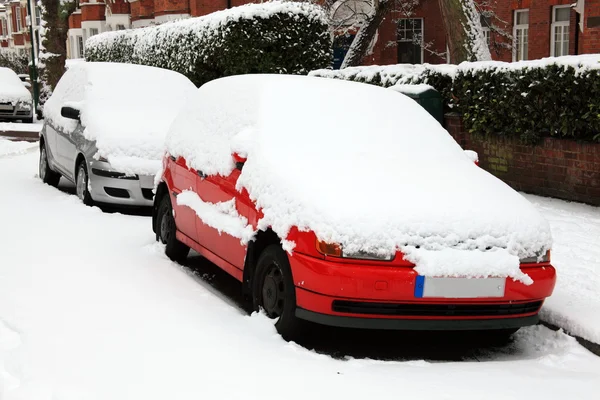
319 279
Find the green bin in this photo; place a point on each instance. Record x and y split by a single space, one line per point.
429 98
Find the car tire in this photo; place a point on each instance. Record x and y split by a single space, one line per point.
46 174
166 231
275 293
82 184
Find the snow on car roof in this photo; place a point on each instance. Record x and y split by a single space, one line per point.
359 165
11 88
127 109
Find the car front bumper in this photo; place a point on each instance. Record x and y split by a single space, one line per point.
111 187
383 297
12 113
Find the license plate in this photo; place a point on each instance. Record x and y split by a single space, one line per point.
459 288
3 107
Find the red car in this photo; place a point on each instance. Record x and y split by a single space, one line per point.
220 195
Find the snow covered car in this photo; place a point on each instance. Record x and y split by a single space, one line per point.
15 99
362 213
104 129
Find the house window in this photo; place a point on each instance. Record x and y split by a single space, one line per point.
521 35
18 18
561 16
93 31
487 32
4 28
79 46
37 16
120 27
410 41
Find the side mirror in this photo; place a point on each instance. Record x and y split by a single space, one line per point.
239 160
26 84
69 112
473 156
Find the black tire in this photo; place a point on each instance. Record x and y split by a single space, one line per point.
166 229
46 174
82 184
273 291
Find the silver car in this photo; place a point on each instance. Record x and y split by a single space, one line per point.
74 157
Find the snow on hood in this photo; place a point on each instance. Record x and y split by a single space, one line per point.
359 165
127 109
11 88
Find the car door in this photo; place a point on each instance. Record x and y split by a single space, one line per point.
183 179
216 189
50 138
67 150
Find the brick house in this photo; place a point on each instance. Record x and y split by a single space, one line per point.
539 28
14 26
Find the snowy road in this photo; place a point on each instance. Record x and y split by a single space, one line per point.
91 309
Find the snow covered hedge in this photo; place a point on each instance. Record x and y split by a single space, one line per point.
531 99
272 37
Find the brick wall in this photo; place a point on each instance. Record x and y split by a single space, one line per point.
142 9
561 168
118 6
75 21
93 12
589 41
164 7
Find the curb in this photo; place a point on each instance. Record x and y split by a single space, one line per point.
20 136
591 346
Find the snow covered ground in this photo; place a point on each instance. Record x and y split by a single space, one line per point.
90 308
575 304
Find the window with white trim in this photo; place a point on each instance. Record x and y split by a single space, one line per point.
410 41
4 27
79 46
93 31
521 35
18 18
559 33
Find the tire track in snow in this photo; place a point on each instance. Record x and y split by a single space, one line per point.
10 339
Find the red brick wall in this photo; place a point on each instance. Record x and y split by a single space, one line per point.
142 9
163 7
75 21
560 168
118 6
93 12
18 39
589 40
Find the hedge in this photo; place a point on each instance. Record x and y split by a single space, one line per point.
532 99
272 37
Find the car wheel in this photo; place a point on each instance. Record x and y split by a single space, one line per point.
82 184
47 175
275 293
166 230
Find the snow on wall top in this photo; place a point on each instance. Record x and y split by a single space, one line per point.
408 73
11 88
376 174
127 109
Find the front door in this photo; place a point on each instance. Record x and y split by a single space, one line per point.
217 189
183 179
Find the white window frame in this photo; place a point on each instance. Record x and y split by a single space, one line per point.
422 37
487 33
518 51
18 18
555 24
79 45
95 30
4 25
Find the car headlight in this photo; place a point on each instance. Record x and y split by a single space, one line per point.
23 106
335 250
539 258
